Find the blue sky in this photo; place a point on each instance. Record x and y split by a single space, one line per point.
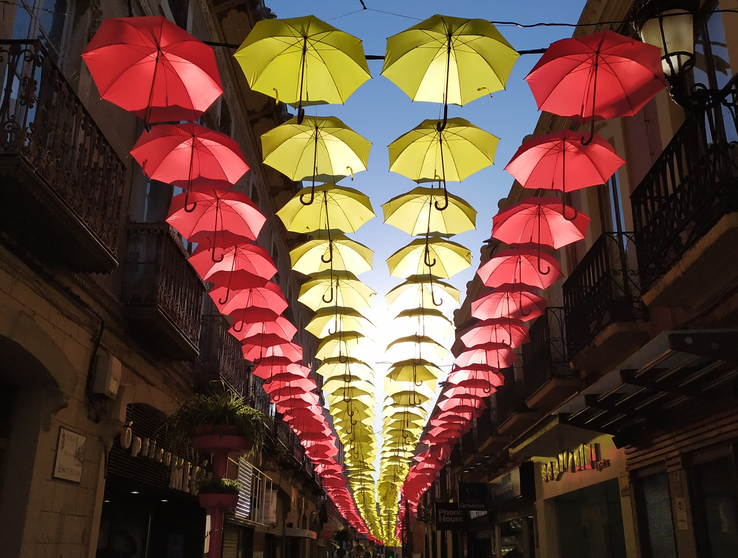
381 112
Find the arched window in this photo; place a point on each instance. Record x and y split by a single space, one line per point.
44 20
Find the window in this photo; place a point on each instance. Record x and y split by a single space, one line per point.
655 518
43 20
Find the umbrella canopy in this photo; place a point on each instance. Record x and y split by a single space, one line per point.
458 150
415 345
509 301
424 321
269 296
302 384
560 161
347 368
422 290
414 370
216 265
596 77
153 68
189 156
215 211
320 147
520 265
339 344
269 369
492 354
497 330
302 61
331 250
329 320
431 254
540 221
415 213
330 288
338 207
449 60
280 326
287 349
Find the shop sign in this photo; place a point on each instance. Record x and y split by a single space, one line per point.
70 456
516 483
586 457
449 517
303 533
472 496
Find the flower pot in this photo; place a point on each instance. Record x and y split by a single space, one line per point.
218 500
219 439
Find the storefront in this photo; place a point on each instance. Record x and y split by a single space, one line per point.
511 500
148 508
581 509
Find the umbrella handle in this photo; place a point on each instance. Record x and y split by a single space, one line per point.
215 260
187 199
351 171
330 298
312 197
276 95
330 254
587 141
485 89
488 389
300 115
342 359
258 360
426 257
445 199
563 212
238 330
227 296
548 268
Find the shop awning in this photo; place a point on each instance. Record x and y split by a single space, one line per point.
674 369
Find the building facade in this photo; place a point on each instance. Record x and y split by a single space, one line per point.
105 327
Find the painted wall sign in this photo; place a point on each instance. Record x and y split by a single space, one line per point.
70 456
585 458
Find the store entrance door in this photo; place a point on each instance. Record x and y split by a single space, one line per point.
514 538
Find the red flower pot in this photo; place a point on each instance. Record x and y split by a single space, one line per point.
219 439
212 500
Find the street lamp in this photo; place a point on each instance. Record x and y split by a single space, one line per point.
669 25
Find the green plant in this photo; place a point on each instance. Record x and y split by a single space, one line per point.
227 409
214 485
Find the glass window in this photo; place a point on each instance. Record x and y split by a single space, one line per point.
656 524
715 508
43 20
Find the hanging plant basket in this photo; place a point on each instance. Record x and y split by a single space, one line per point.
214 501
220 439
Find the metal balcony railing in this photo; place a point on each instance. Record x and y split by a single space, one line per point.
52 152
509 397
546 356
693 183
603 289
221 356
162 290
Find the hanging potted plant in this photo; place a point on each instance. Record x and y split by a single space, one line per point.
218 493
219 424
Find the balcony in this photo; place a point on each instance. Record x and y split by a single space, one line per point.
513 415
221 358
605 318
685 211
548 377
162 292
61 182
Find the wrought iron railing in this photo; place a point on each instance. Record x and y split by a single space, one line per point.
603 289
260 398
157 275
43 122
221 357
510 397
693 183
545 356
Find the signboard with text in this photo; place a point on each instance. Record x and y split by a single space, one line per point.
70 456
472 496
518 482
449 517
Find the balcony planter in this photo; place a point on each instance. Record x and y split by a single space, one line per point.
218 501
222 438
218 493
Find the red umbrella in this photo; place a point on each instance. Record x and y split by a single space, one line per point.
152 68
269 370
269 296
468 404
540 221
509 301
216 211
475 391
249 258
596 77
559 161
263 340
498 330
279 326
521 265
492 354
190 156
287 349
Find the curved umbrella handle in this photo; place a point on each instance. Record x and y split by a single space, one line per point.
342 359
237 329
330 253
187 199
258 360
548 268
227 296
275 398
330 298
331 332
480 89
563 212
487 390
445 199
300 114
216 260
276 95
351 171
312 196
426 257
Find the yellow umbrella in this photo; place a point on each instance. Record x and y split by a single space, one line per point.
415 213
392 409
421 290
431 254
449 60
341 208
416 371
400 387
329 320
331 249
335 384
330 288
349 391
302 61
424 321
347 367
340 344
413 346
320 147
